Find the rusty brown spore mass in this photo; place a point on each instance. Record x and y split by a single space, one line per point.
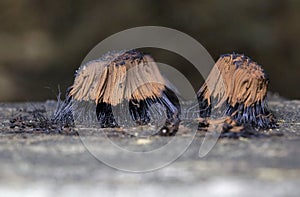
125 76
241 85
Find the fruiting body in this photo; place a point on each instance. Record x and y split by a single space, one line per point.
238 85
125 76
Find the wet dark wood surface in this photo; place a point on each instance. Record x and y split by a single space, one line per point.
59 164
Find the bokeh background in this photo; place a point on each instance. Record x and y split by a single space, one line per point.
42 43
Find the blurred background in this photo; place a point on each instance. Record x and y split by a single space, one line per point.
42 43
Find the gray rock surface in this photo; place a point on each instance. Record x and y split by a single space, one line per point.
35 163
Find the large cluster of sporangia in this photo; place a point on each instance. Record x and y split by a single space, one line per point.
236 83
